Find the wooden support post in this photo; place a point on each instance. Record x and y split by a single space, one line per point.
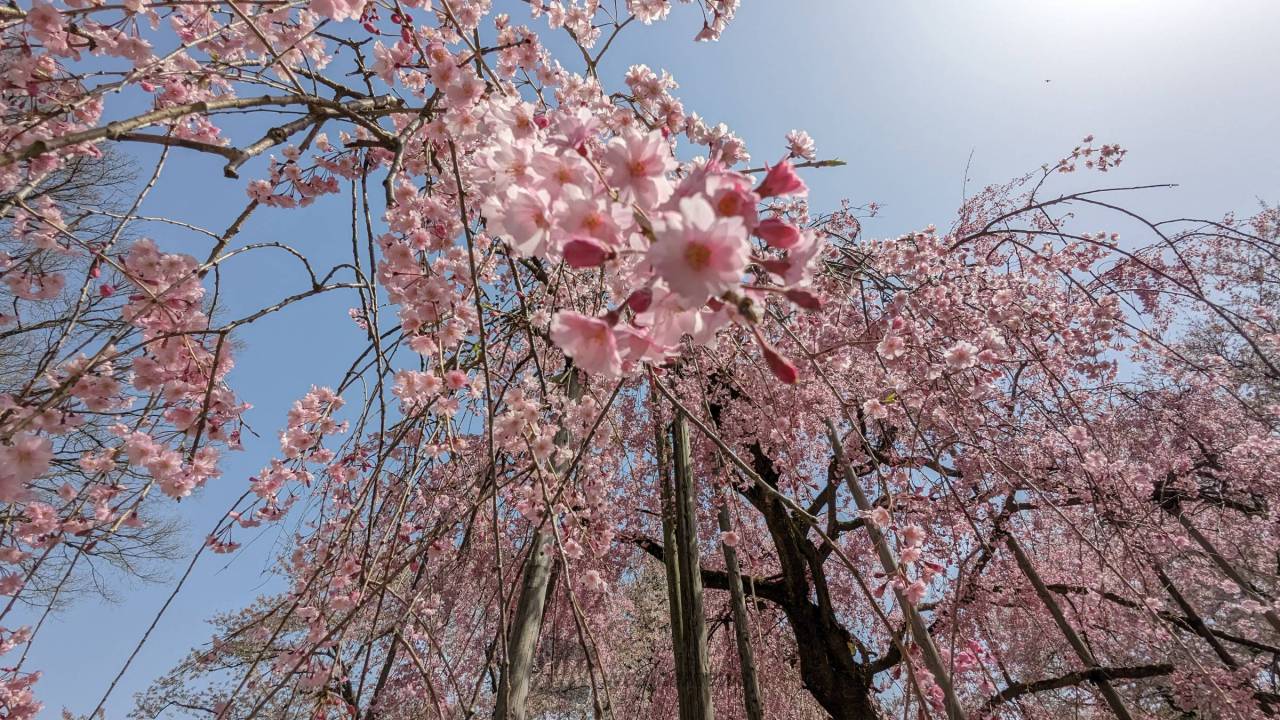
741 623
695 694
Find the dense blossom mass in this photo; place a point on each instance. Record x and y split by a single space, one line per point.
634 430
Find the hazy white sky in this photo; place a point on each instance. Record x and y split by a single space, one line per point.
903 90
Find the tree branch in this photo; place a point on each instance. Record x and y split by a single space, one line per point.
718 579
1092 675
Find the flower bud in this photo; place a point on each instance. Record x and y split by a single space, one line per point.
584 253
781 180
778 233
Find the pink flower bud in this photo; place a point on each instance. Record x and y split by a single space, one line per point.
107 290
782 368
640 300
781 180
778 233
804 298
584 253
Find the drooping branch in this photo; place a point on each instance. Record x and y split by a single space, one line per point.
120 128
1181 621
1073 638
919 630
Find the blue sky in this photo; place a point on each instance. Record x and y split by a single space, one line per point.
906 92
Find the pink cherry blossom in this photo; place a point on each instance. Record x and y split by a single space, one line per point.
801 145
916 591
589 341
891 347
881 517
21 462
525 217
961 355
338 9
873 408
913 535
638 165
698 254
11 583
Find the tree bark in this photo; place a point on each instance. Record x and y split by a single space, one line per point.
840 684
824 647
670 557
526 626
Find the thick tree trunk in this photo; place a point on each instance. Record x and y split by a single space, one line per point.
834 678
742 629
526 626
840 684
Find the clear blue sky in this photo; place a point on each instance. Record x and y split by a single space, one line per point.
904 91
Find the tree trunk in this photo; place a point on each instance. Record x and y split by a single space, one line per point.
526 626
671 558
824 647
841 685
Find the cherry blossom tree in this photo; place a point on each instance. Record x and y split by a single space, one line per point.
633 429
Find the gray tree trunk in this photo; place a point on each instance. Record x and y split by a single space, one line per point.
526 626
670 559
